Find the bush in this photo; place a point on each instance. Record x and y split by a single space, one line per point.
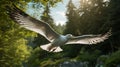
113 60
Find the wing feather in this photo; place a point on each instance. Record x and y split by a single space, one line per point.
89 39
32 24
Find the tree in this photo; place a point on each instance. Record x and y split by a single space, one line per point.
92 17
114 22
72 27
40 56
13 39
72 16
13 48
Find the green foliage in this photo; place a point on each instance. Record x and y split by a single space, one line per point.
113 60
43 58
51 62
89 56
13 48
14 54
33 60
73 18
103 58
59 28
93 17
45 2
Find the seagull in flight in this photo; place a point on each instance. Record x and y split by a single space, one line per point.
56 40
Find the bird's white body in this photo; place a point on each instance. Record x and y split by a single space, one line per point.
55 45
60 41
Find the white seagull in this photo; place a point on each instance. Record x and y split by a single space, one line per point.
56 40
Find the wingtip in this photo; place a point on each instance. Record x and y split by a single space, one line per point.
10 9
108 34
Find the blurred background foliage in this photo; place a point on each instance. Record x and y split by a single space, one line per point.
20 47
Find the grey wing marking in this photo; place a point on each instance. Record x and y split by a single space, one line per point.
89 39
32 24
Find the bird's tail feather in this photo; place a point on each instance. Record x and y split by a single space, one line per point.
46 46
50 48
58 49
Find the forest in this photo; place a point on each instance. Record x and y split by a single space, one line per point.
19 47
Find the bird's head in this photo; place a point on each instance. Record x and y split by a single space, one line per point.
69 36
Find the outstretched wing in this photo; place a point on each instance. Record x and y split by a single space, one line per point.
89 39
32 24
